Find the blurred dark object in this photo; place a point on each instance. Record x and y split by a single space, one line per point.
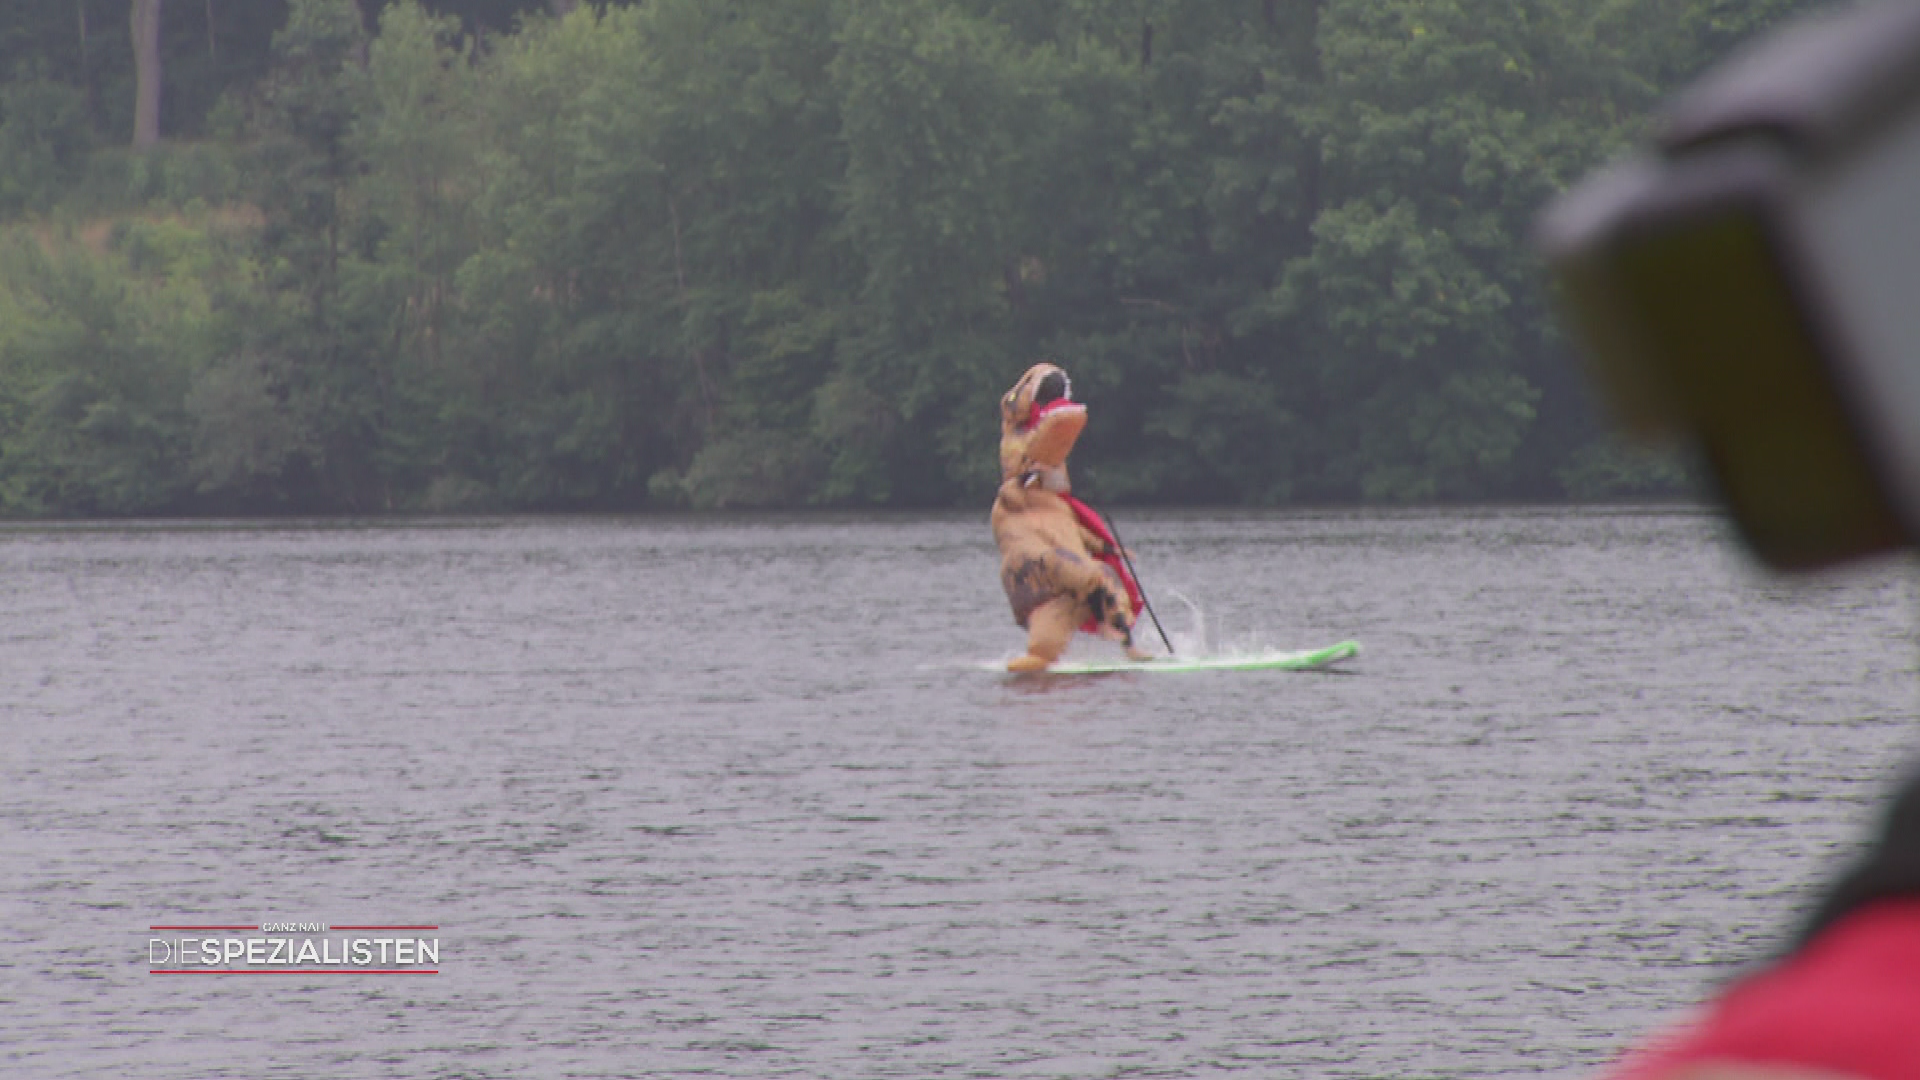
1752 285
1890 870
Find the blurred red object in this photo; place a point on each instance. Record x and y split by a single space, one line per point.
1845 1004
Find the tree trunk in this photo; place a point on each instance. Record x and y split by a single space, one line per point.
369 26
146 65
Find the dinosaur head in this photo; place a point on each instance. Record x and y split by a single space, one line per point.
1043 386
1039 423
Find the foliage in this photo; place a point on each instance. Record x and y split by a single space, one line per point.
473 254
43 139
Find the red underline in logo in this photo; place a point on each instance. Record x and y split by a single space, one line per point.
203 928
293 971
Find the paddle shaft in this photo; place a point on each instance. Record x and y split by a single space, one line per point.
1144 602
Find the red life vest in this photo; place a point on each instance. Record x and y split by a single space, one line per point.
1094 524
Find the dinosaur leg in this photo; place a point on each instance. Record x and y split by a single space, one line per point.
1113 611
1118 623
1049 628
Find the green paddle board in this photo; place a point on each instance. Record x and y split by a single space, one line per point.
1262 661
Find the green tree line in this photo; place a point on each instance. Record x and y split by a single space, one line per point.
325 256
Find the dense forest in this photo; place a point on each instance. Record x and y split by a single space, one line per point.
274 256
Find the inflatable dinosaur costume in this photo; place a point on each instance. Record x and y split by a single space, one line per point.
1059 562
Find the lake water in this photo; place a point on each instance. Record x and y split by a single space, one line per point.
733 796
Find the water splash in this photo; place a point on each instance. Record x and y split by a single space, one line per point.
1193 642
1204 641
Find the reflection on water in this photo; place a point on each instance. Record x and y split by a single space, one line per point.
731 797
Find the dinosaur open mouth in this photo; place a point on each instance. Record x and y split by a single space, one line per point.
1054 392
1054 386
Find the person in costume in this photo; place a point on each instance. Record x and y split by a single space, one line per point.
1059 563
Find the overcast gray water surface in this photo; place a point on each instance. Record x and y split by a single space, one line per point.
733 797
